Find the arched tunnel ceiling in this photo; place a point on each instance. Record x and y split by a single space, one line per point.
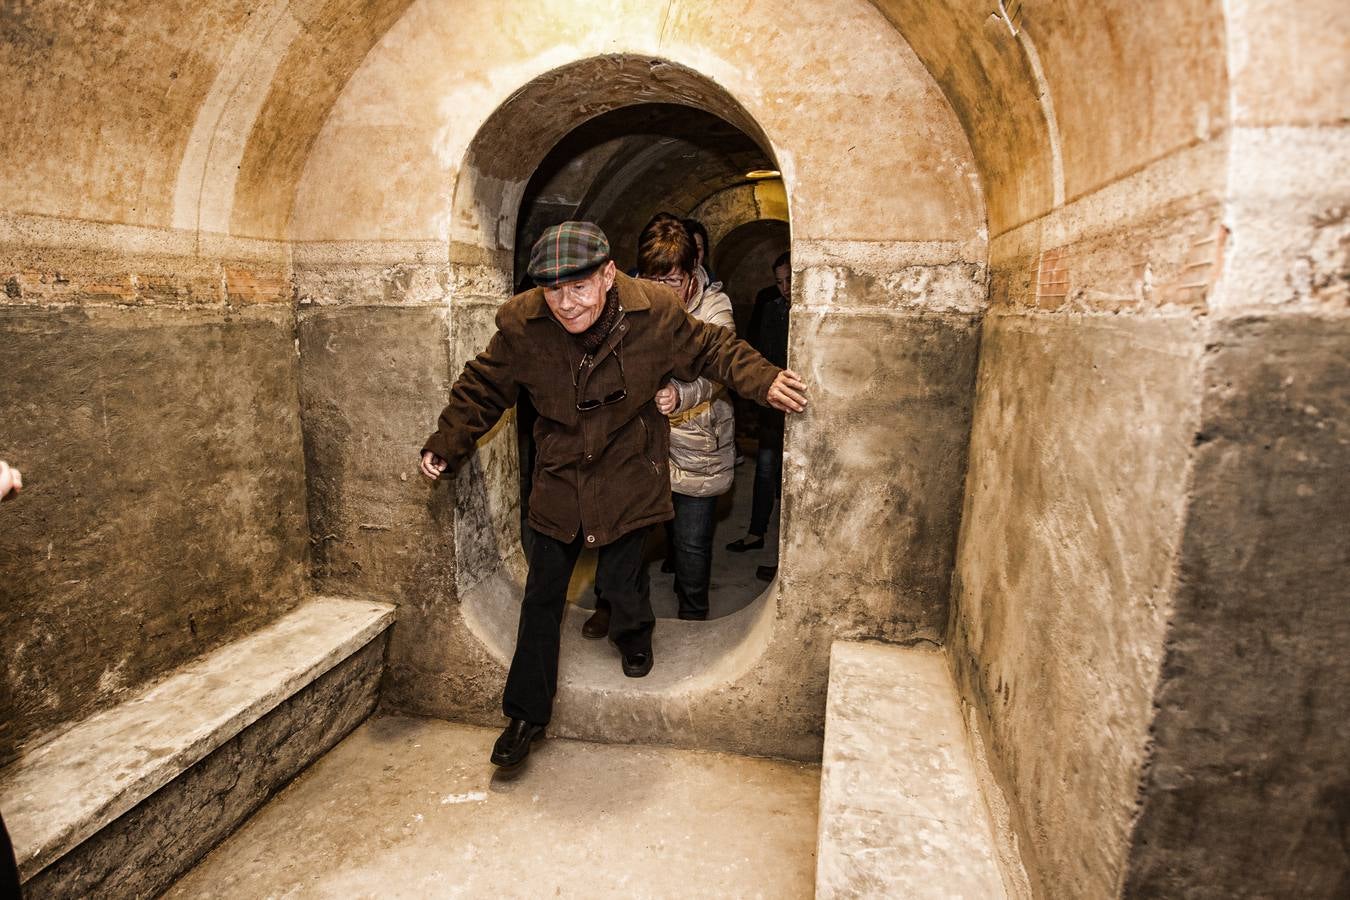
110 94
1105 87
622 167
103 97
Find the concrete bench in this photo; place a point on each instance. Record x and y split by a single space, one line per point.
901 808
125 800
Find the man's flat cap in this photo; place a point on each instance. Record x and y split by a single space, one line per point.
568 252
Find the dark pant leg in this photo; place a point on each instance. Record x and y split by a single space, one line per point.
692 530
768 484
533 678
10 886
621 575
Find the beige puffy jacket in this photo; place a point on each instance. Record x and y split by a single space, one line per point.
703 427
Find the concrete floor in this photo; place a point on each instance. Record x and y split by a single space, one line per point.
410 807
733 585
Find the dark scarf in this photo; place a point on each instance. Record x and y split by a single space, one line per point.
593 338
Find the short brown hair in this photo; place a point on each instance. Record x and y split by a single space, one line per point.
665 245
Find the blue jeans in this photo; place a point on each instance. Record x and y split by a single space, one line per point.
768 484
689 540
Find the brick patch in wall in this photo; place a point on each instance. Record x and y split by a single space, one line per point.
1052 281
248 286
1170 260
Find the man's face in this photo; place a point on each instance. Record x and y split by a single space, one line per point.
678 280
577 304
782 276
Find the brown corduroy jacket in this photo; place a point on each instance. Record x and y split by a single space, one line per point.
600 472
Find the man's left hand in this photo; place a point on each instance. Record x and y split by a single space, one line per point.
788 392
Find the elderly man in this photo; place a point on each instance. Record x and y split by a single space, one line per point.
591 348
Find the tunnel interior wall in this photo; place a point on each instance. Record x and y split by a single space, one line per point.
152 403
1141 447
877 258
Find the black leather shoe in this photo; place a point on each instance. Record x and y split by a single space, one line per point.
514 744
740 545
597 626
766 573
637 663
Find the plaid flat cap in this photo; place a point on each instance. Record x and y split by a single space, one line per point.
568 252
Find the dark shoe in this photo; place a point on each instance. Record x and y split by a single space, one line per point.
766 573
597 626
637 663
514 744
668 566
740 545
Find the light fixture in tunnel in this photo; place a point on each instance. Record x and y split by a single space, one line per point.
763 174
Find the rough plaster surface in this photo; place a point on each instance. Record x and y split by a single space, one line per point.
141 853
380 530
163 512
1158 84
1248 789
901 387
421 123
63 791
901 813
411 808
47 261
1074 504
1290 243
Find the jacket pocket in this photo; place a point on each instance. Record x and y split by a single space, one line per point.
647 444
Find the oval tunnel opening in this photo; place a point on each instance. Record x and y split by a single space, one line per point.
619 170
528 141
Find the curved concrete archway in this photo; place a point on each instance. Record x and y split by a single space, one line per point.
696 659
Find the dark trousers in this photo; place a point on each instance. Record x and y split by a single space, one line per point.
689 540
620 575
768 483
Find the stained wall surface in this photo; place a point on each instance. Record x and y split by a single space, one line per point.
164 506
1124 323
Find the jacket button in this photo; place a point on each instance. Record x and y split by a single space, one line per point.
590 539
590 456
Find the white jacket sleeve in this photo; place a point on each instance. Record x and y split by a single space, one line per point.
716 311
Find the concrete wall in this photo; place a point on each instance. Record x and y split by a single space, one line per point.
152 403
1246 790
1138 392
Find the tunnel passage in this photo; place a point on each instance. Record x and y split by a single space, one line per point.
646 137
618 170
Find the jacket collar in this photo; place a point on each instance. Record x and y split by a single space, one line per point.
632 297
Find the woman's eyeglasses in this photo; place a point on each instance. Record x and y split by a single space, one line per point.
614 397
670 281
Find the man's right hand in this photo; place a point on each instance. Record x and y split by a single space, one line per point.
432 465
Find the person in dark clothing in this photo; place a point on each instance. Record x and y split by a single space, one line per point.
703 258
768 333
592 348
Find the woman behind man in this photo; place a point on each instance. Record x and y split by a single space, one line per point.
702 427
